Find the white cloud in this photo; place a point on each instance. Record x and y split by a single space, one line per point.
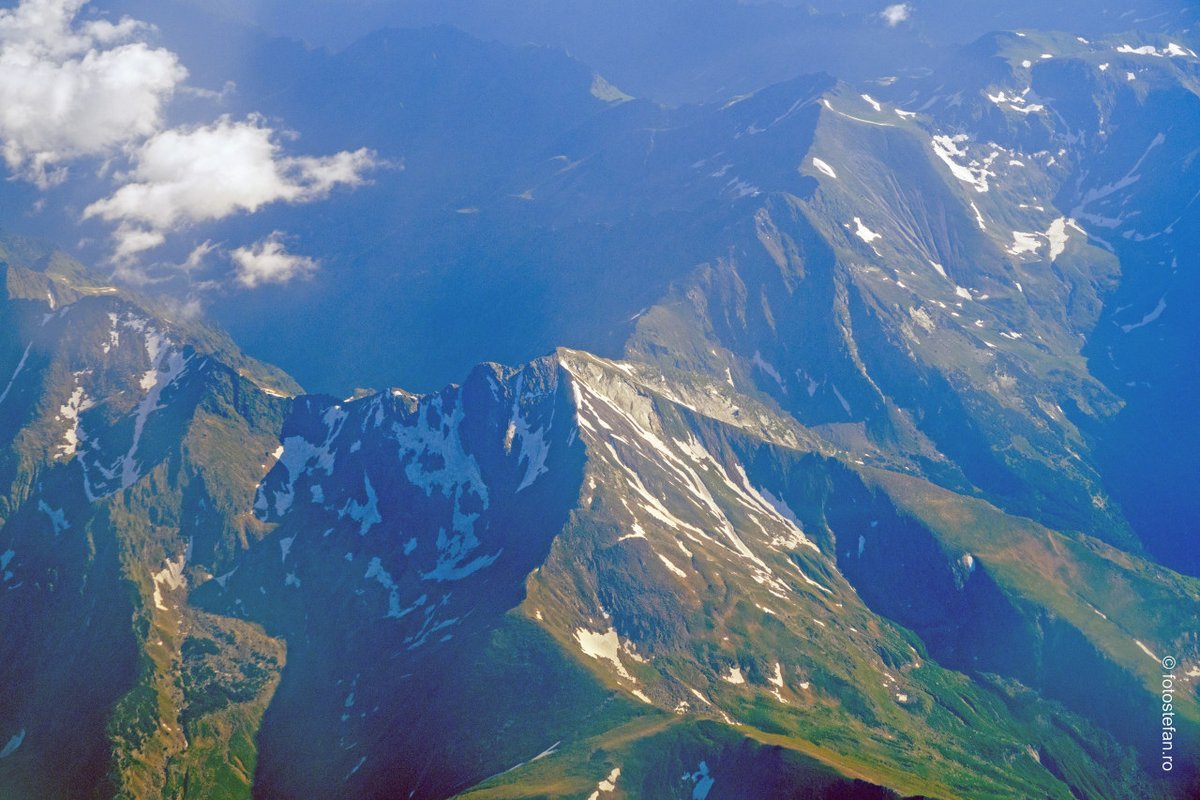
894 14
267 261
131 240
195 259
190 175
74 88
180 310
70 89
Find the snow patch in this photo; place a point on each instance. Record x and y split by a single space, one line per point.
1014 102
671 566
824 167
604 646
57 517
355 769
16 372
607 785
76 404
457 476
1057 236
13 743
535 447
841 399
1172 50
223 579
863 232
365 514
776 678
769 368
1159 308
1024 243
978 217
384 578
762 500
949 149
166 366
171 577
114 335
825 102
702 781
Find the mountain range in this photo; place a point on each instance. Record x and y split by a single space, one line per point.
827 440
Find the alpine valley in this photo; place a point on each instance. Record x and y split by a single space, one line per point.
847 446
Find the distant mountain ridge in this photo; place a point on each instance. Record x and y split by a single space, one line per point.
674 562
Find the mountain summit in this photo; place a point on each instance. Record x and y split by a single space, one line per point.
551 578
